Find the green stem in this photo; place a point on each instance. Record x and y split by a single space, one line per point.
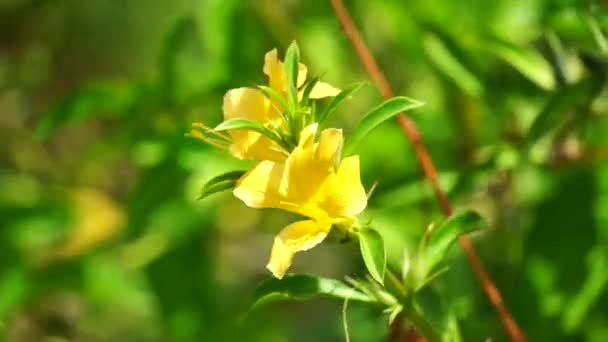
410 310
412 314
396 283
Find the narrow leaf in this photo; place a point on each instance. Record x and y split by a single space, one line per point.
445 57
220 183
308 89
246 124
292 61
336 101
378 115
442 238
373 253
405 265
560 107
436 316
273 95
527 61
302 287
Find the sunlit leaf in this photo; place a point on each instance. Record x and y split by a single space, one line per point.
222 182
406 263
292 60
527 61
303 287
373 253
378 115
246 124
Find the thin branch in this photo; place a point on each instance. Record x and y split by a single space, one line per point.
345 321
428 168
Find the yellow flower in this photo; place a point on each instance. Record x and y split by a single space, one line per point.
97 218
309 183
273 68
251 103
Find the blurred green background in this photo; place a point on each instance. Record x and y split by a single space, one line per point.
102 238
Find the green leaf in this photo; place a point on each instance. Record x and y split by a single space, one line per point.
292 61
273 95
373 253
591 290
303 287
528 62
336 101
102 99
308 87
561 107
432 312
220 183
378 115
442 54
246 124
434 250
181 62
14 289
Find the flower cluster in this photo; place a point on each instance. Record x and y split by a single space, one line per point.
299 167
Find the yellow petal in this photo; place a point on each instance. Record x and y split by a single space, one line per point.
330 145
307 182
343 195
311 163
322 90
304 172
274 69
260 186
296 237
251 104
248 103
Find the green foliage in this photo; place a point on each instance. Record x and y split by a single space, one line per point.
378 115
336 101
441 319
373 253
292 60
529 62
514 120
245 124
307 90
101 99
303 287
445 60
222 182
563 107
273 95
435 245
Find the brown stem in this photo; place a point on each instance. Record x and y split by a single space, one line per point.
428 168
